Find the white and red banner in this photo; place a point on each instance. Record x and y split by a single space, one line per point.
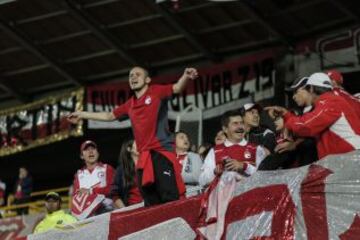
219 88
21 226
320 201
83 205
38 123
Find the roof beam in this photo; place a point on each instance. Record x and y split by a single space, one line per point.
64 37
133 21
23 98
225 26
49 87
25 70
90 56
27 44
41 17
11 50
100 32
156 41
255 14
107 75
99 3
329 27
345 9
169 17
296 7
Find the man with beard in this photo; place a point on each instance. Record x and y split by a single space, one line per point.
236 154
159 174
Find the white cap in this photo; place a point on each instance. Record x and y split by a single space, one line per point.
249 106
298 84
319 80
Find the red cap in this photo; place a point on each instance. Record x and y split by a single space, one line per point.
87 143
335 76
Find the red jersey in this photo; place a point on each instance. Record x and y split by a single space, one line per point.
134 194
98 179
148 116
180 158
353 101
241 153
332 122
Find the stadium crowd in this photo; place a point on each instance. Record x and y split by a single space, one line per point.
153 169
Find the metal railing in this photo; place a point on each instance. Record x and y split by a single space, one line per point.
34 206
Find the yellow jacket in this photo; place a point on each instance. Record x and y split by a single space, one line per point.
54 220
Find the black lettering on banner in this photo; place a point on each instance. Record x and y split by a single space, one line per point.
121 97
61 108
49 119
196 91
34 126
227 84
175 101
204 88
257 71
104 96
244 74
13 126
102 100
94 99
267 68
112 99
184 99
216 89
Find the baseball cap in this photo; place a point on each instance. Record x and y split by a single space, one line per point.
335 76
319 79
298 83
52 195
248 106
87 143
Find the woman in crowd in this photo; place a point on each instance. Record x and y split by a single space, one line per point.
125 191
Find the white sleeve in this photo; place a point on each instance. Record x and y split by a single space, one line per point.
207 170
191 168
260 155
2 186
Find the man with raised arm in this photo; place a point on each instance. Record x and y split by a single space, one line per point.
159 174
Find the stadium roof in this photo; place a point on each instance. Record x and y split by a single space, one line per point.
52 45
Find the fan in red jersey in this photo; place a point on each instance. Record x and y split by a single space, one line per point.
337 82
92 184
235 154
159 174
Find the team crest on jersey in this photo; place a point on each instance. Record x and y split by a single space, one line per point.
247 154
147 100
101 174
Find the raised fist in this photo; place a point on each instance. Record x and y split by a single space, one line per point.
191 73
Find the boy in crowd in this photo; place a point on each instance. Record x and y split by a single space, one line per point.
191 162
